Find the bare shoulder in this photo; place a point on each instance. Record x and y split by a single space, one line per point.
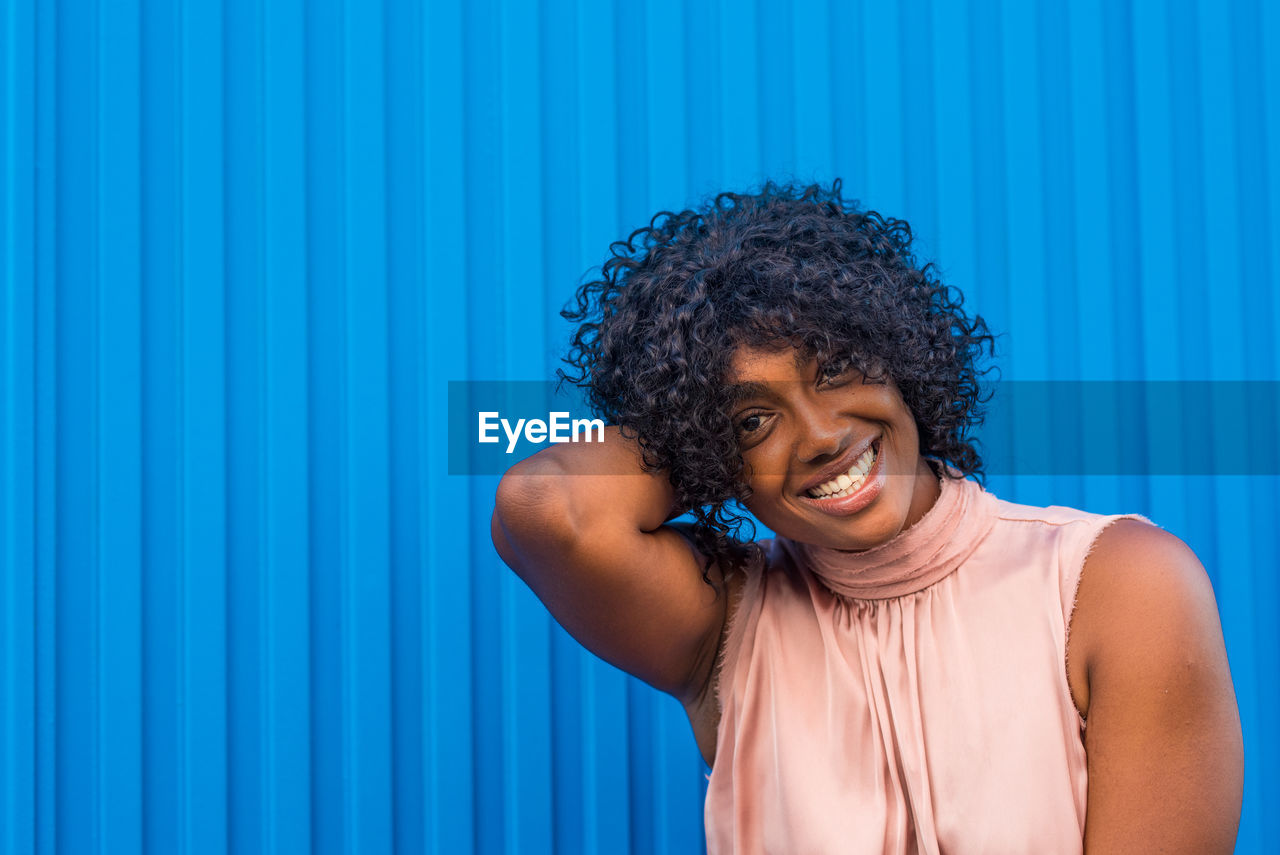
1148 666
1139 586
1139 581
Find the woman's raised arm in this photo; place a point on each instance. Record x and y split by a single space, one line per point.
583 525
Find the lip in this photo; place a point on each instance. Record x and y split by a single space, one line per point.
838 468
854 502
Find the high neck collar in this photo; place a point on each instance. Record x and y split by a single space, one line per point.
915 558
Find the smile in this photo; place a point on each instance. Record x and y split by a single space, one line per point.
867 478
848 483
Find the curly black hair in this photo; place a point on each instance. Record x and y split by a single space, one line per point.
787 265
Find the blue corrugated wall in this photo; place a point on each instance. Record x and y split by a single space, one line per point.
244 246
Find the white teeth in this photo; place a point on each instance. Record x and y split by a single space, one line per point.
847 483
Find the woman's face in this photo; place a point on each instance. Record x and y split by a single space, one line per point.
807 441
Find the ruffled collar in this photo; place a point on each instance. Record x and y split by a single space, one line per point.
914 559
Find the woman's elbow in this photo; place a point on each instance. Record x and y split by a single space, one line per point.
531 511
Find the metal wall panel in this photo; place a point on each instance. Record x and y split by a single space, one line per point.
245 245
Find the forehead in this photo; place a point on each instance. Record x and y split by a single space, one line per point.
762 373
765 372
760 365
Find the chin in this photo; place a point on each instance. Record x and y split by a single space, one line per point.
866 530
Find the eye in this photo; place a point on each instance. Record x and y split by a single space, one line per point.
834 373
750 423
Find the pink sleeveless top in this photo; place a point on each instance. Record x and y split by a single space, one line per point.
911 698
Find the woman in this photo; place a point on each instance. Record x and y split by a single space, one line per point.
912 664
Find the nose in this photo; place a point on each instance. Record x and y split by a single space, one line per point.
822 436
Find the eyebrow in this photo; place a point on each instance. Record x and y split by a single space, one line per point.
741 391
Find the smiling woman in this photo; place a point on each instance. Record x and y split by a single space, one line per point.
806 442
909 665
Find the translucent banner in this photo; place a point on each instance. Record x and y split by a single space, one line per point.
1057 427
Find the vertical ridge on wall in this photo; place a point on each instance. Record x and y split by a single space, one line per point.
737 75
119 430
1187 306
366 558
1095 240
773 83
243 223
483 135
848 76
983 33
203 685
1255 48
326 349
18 620
665 109
1091 250
1025 173
405 159
242 200
811 88
631 114
1124 210
286 407
878 47
162 463
1220 317
702 61
45 288
76 758
1023 238
451 808
1060 202
1252 43
1153 218
956 241
920 139
1268 62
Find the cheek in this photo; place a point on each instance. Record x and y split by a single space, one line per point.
764 469
765 485
766 491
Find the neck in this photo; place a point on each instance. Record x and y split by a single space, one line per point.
954 516
924 495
